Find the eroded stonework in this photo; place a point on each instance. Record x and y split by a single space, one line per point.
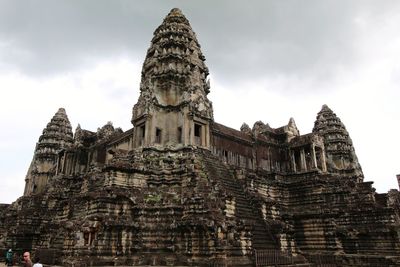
181 189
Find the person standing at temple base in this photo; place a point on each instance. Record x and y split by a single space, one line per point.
36 261
9 257
27 259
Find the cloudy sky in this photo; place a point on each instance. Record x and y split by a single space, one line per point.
269 61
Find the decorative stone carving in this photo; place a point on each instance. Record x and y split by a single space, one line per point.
245 128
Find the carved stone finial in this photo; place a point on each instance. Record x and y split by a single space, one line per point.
107 131
292 129
245 128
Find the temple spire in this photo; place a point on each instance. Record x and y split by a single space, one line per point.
174 86
341 156
56 136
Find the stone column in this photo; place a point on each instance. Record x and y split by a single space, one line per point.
70 163
203 136
131 143
136 136
191 132
207 135
76 163
148 132
63 162
66 163
313 156
303 160
185 130
323 159
58 163
293 160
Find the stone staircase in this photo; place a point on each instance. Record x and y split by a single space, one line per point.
245 207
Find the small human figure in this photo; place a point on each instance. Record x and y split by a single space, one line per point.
36 261
27 259
16 258
9 257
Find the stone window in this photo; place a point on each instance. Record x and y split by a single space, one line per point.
197 134
86 238
179 135
89 236
297 160
158 135
226 156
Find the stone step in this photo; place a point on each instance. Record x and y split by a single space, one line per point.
244 209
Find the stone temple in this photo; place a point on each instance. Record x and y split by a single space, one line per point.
179 189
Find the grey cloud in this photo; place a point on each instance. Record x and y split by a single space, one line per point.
286 38
56 36
239 40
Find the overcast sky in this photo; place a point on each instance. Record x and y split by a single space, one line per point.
268 60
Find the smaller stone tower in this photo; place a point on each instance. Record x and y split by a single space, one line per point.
56 136
173 108
341 156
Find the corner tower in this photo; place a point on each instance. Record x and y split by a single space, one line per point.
173 108
56 136
341 156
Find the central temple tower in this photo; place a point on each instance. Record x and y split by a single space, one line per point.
173 108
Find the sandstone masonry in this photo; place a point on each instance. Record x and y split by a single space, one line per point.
181 189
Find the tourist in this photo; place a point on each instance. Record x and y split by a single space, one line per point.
36 261
27 259
9 257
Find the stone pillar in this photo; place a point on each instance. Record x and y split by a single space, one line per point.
207 135
76 163
149 131
323 159
203 135
71 163
313 156
185 130
303 160
58 163
135 139
191 132
66 164
131 144
63 162
293 160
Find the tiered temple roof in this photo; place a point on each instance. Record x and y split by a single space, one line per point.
339 147
56 136
174 73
